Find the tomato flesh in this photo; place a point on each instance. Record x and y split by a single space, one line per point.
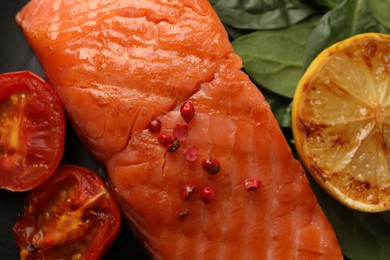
32 131
71 216
10 138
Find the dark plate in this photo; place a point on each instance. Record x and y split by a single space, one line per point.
15 55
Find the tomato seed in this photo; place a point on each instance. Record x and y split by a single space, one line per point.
76 256
24 253
187 111
207 194
36 239
63 195
212 166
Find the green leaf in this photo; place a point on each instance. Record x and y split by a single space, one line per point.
329 4
235 33
262 14
351 17
274 59
381 11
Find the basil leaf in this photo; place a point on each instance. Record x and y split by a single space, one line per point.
329 4
262 14
234 33
351 17
273 59
381 11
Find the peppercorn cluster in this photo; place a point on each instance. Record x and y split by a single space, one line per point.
210 165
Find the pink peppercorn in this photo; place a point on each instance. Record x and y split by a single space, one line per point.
180 132
186 191
212 166
251 183
187 111
191 153
207 194
154 126
173 146
164 139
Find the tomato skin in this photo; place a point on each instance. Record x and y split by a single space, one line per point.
32 131
73 215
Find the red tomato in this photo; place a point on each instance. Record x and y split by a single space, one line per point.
71 216
32 131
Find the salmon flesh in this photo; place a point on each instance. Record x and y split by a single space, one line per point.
117 65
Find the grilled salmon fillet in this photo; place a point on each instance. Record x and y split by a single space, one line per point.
120 64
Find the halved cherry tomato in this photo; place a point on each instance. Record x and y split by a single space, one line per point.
71 216
32 131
